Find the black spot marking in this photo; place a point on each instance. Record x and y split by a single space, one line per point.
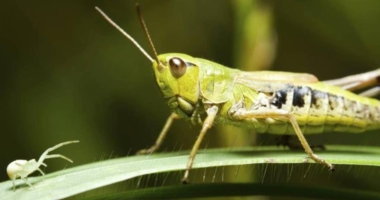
347 104
316 97
366 111
280 98
299 94
371 115
332 101
358 108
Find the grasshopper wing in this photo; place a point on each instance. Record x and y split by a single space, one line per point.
269 81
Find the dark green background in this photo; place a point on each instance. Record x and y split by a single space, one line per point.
67 74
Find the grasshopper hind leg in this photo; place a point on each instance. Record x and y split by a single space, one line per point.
375 91
263 113
358 81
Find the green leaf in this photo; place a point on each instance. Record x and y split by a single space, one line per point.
241 189
68 182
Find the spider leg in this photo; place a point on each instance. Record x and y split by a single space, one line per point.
27 182
43 174
45 154
13 183
58 156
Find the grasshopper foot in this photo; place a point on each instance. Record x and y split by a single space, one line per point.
185 181
151 150
317 159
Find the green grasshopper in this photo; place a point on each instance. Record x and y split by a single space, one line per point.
265 101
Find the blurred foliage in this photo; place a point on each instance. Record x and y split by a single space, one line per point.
67 74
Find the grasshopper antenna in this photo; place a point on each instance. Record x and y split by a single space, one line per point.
128 36
147 34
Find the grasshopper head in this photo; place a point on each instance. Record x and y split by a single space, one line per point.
177 76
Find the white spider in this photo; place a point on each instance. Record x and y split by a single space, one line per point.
22 168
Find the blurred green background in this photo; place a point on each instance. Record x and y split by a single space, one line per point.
67 74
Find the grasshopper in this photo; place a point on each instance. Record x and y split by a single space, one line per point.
265 101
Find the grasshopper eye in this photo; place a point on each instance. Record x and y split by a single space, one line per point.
177 67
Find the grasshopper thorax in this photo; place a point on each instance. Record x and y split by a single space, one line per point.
177 76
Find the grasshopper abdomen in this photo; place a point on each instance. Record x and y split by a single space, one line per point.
318 108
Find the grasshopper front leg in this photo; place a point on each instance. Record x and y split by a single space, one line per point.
262 113
207 124
161 136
